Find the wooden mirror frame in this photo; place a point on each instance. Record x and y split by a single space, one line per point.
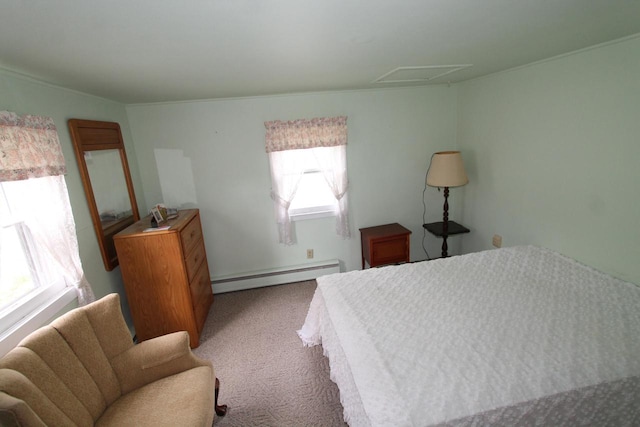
91 135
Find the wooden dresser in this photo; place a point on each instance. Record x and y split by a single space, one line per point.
166 276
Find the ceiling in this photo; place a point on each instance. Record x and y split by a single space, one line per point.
170 50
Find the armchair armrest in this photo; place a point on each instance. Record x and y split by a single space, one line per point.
154 359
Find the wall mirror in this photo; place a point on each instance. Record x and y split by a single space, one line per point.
104 170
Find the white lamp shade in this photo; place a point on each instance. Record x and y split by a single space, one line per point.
447 170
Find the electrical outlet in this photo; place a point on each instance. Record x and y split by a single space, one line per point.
497 240
309 253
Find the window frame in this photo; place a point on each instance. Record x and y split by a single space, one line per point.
37 315
41 304
315 211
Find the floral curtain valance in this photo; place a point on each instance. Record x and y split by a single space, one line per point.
29 147
306 133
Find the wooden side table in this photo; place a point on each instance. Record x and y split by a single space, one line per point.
385 244
437 229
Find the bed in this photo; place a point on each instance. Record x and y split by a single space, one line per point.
512 336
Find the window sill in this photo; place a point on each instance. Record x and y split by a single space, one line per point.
36 319
311 215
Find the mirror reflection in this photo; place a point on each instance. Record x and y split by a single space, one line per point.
109 186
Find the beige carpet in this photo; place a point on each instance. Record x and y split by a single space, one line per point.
267 377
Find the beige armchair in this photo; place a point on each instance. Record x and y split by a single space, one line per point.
83 370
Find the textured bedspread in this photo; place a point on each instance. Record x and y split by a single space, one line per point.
512 336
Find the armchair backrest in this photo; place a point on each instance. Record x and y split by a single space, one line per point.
62 372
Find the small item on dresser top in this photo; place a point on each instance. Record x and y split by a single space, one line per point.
172 213
156 216
156 228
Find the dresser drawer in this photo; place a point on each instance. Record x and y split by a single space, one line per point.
191 234
201 295
194 259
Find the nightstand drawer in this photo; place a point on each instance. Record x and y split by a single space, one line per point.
390 251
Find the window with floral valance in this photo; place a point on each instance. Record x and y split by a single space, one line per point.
324 142
39 246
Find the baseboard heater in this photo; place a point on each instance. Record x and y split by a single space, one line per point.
274 276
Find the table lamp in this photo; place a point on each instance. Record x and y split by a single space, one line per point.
446 170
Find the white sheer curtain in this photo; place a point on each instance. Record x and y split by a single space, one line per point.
327 137
30 153
332 161
285 177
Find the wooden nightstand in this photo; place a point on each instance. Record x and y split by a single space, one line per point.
385 244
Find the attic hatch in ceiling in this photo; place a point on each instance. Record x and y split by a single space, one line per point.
419 73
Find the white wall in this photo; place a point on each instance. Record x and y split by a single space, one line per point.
553 156
26 96
551 150
220 148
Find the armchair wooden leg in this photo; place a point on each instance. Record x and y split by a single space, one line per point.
221 410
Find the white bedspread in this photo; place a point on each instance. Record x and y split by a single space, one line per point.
516 335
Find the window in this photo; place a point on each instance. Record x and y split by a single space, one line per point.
27 278
40 268
313 197
21 271
307 158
